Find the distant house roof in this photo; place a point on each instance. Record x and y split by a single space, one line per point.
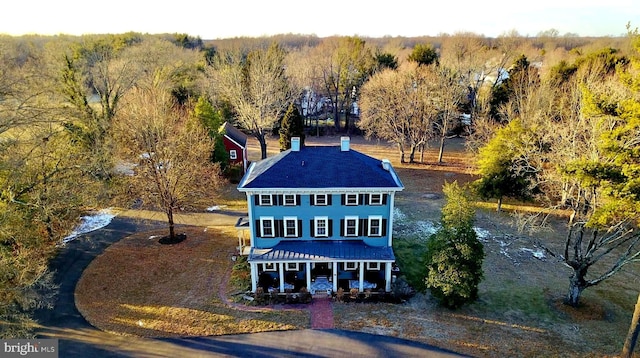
321 251
235 134
320 167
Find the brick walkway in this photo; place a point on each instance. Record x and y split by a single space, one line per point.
321 313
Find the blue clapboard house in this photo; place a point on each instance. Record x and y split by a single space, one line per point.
320 217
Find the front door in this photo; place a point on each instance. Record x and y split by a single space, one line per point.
322 269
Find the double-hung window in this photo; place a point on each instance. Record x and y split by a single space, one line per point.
375 226
321 226
233 155
351 226
290 200
375 199
265 200
267 228
290 226
320 199
351 199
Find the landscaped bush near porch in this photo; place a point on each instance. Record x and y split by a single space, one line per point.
240 275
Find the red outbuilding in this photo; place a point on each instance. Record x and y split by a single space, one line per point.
235 142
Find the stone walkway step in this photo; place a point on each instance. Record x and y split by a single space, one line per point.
321 313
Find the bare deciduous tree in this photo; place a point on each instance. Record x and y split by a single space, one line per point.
255 86
172 151
398 106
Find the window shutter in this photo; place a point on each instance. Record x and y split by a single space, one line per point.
299 228
312 199
344 198
298 197
256 199
279 200
364 199
341 227
384 227
362 228
312 233
329 196
279 228
330 227
384 199
257 228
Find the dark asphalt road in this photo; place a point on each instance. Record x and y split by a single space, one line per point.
77 338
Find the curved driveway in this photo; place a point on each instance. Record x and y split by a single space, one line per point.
77 338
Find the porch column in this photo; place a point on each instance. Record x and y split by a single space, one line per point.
281 272
308 272
361 283
254 276
334 275
387 276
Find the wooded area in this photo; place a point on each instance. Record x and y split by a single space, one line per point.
99 120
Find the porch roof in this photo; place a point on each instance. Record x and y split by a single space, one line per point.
296 251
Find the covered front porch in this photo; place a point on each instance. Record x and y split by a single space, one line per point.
322 267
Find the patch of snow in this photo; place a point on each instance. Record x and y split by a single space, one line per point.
482 233
90 223
426 227
216 208
398 215
153 237
503 248
537 253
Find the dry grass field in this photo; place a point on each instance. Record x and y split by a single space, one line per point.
139 287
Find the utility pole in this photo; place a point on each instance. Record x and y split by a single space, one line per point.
632 336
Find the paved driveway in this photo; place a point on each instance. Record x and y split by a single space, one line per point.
77 338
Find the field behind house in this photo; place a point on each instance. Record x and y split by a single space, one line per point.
519 313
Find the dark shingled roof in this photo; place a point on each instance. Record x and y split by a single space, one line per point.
322 251
319 167
235 134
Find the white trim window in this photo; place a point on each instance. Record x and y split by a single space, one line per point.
321 226
350 266
289 200
267 227
375 199
290 226
320 199
269 266
351 199
233 155
373 266
292 266
266 200
375 225
350 226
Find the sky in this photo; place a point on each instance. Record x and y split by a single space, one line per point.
236 18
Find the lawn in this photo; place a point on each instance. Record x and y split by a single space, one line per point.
139 287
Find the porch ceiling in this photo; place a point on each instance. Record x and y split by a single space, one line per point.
322 251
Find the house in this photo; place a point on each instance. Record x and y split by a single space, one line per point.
235 142
320 217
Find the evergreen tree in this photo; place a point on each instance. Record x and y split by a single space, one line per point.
454 253
292 126
424 54
503 169
212 121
